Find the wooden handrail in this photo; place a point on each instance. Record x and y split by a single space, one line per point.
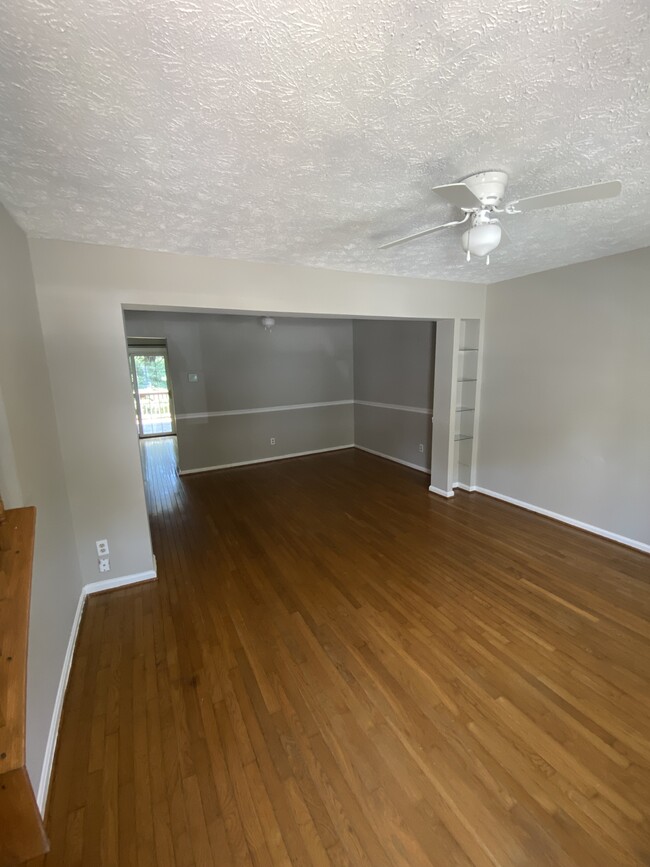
22 835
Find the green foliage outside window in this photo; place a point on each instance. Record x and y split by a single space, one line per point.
150 371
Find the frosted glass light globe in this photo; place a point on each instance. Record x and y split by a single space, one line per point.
481 240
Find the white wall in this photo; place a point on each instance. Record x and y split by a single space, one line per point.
31 473
81 290
565 418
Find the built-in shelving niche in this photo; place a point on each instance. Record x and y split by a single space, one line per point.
466 403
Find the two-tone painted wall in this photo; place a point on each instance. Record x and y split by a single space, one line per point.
237 386
307 384
393 389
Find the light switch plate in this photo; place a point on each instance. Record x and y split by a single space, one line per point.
193 377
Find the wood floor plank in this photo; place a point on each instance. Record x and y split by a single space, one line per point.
336 668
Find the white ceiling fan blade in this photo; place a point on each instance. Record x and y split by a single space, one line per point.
423 233
459 195
590 193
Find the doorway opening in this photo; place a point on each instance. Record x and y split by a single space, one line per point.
152 393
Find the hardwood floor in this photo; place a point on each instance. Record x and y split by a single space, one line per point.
338 668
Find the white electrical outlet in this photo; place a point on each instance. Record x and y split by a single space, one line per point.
102 547
421 447
104 564
272 441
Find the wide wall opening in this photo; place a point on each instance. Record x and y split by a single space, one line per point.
246 389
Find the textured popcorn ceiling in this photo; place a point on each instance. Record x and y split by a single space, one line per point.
309 131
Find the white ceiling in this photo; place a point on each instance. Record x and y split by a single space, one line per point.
309 131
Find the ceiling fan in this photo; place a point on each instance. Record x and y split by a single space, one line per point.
480 197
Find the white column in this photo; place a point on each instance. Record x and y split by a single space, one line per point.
444 407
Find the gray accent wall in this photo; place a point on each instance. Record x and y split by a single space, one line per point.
242 367
393 365
239 439
341 365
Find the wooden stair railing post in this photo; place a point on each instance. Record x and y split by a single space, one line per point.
22 835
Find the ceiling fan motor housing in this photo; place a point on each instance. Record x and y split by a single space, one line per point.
488 187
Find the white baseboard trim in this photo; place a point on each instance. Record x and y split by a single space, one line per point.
463 487
264 460
55 723
440 492
53 734
114 583
391 458
581 525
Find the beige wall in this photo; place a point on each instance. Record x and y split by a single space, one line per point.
565 417
81 289
31 473
564 424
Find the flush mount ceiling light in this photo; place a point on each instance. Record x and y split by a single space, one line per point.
268 322
481 196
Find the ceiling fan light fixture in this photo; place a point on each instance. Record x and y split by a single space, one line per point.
481 240
482 195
